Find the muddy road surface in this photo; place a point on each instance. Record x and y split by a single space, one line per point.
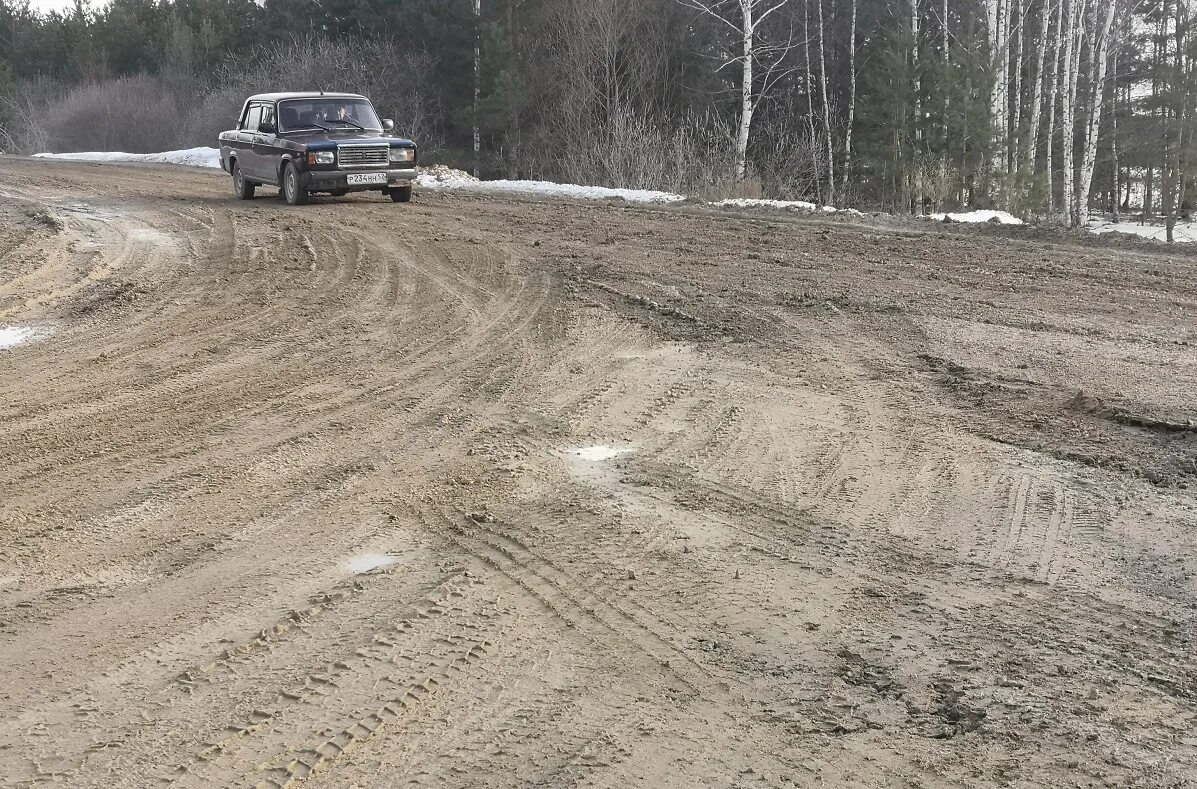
480 492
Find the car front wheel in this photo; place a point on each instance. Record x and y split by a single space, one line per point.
241 187
294 192
400 194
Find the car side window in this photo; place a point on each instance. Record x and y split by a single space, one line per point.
267 114
252 117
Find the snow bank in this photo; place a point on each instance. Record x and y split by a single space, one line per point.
192 157
547 189
978 216
442 175
1183 232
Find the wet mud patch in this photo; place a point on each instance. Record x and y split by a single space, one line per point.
1070 425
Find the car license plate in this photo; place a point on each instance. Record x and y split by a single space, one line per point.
354 179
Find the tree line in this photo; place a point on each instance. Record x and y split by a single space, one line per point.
1047 108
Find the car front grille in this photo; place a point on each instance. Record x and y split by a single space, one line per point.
362 155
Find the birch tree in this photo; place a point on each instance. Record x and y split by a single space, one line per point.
1072 54
1099 49
745 18
826 111
477 85
1179 131
1016 125
1032 138
918 105
997 14
1053 99
851 98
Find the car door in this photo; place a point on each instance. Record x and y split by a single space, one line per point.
266 144
245 141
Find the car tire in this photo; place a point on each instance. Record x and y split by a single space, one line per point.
400 194
294 192
242 188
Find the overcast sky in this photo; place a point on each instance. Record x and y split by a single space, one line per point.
54 5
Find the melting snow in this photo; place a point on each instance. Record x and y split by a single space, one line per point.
549 189
784 205
193 157
369 561
11 336
978 216
599 452
1183 232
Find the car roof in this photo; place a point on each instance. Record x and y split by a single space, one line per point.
311 94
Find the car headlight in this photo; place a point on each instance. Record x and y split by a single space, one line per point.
322 157
403 154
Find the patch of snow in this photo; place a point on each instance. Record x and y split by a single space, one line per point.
797 206
1183 232
599 452
192 157
977 216
368 562
548 189
782 205
441 175
12 336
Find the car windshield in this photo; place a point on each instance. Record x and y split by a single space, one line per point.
330 113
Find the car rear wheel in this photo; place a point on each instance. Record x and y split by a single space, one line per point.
294 192
400 194
241 187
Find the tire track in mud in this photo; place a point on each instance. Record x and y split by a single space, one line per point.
577 604
352 698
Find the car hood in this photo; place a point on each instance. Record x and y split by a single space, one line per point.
325 140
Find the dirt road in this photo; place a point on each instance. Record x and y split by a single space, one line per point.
486 492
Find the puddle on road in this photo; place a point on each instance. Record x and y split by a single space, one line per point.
12 336
599 452
370 561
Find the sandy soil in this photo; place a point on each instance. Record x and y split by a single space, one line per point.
489 492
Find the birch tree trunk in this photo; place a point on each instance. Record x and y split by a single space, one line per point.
826 112
997 14
915 164
851 99
1032 139
1016 125
810 98
947 99
1076 11
1099 49
1182 91
747 105
1117 207
477 85
1053 95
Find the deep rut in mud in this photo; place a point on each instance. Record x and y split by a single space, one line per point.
485 492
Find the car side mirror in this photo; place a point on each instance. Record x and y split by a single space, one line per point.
266 127
388 124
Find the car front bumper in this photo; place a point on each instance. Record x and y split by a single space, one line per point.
336 180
